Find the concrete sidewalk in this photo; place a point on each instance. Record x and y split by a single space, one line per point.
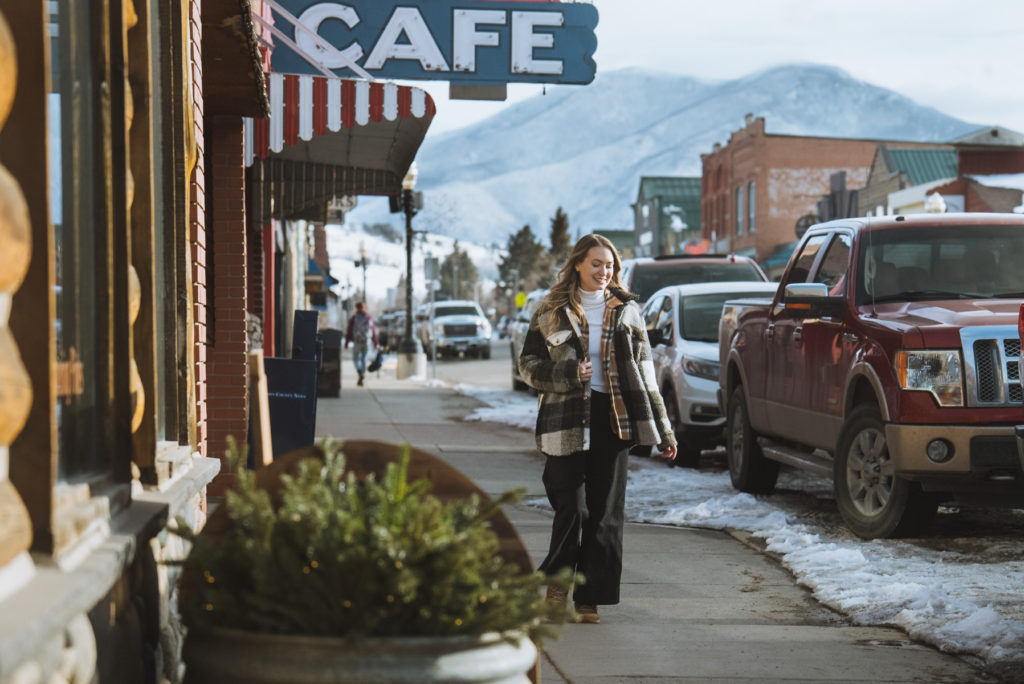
697 605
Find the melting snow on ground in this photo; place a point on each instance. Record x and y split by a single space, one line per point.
963 598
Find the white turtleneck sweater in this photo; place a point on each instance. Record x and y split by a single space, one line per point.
593 307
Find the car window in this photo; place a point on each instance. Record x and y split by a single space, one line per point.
651 311
699 315
648 278
802 267
832 271
664 322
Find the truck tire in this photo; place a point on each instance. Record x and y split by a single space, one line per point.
873 500
749 470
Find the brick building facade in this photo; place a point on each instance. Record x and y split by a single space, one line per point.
757 188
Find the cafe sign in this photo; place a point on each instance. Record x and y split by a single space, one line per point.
472 42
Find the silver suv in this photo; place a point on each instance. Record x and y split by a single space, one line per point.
458 326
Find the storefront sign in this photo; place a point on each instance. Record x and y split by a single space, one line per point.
465 41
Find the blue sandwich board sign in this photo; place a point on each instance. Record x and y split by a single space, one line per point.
462 41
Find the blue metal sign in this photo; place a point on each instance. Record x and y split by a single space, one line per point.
461 41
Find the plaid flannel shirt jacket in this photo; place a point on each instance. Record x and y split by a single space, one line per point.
549 363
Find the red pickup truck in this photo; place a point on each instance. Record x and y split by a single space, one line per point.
888 360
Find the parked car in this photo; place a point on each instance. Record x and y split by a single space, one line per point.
456 327
888 360
517 334
682 326
390 329
643 276
504 326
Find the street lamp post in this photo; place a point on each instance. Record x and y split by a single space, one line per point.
411 359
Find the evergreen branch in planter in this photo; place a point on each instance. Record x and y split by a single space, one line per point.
354 558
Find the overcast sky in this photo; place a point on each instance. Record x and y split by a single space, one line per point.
965 58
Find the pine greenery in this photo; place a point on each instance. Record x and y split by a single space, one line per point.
347 558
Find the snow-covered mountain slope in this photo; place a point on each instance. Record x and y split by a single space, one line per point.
585 148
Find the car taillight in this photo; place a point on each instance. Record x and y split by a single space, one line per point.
1020 322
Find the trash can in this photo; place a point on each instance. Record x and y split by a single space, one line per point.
328 383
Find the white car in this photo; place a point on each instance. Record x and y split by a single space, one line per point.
456 327
682 326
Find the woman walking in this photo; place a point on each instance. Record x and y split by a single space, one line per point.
587 354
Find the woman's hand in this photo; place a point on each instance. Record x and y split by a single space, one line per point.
669 453
586 370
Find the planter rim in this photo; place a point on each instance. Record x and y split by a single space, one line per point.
253 635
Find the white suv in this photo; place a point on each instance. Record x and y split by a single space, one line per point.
458 326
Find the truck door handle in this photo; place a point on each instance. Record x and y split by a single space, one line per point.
769 332
798 333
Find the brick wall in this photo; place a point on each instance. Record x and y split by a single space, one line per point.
198 228
790 173
227 397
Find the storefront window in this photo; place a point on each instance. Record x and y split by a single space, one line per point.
72 130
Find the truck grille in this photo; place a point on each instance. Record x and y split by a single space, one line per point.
463 330
993 366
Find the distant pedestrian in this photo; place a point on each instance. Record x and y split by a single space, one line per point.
589 415
361 334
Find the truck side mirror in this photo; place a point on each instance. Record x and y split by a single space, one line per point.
812 300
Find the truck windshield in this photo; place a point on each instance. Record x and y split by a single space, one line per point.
648 278
934 263
455 311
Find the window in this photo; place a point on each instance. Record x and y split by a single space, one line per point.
834 265
751 206
74 190
739 210
808 253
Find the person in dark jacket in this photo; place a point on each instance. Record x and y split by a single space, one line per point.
361 333
587 355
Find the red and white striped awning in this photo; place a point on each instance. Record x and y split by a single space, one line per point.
340 122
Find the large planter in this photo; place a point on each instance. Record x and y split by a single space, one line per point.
225 656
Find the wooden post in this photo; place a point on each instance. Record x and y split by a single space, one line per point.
259 411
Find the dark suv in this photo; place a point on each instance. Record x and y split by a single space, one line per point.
644 276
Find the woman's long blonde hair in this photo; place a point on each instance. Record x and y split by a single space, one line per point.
566 291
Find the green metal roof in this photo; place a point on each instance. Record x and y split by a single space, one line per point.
677 191
924 166
621 239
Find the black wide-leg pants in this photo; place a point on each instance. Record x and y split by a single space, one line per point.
587 489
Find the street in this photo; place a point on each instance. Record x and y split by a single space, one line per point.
674 588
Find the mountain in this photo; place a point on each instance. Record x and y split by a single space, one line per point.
585 148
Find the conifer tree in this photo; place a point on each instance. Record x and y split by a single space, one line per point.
523 253
459 274
560 245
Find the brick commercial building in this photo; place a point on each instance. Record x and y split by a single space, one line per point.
758 187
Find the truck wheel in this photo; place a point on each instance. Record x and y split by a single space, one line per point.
749 470
873 500
485 352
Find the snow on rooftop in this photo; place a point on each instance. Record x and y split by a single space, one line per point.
1000 180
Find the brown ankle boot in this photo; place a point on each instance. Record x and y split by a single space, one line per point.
587 614
556 595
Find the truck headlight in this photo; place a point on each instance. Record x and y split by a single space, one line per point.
935 371
700 368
